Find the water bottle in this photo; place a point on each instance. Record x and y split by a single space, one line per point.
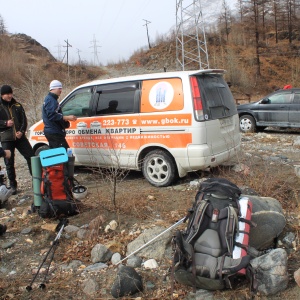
69 152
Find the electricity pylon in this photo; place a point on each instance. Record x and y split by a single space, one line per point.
191 48
95 46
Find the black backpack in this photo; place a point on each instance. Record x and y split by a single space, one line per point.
203 255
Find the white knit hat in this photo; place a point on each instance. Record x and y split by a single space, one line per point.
55 84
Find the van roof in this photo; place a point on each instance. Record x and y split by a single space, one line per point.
152 76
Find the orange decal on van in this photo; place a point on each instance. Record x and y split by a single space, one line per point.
39 138
158 95
39 127
120 132
130 142
166 120
101 122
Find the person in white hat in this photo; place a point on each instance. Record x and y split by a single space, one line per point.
55 123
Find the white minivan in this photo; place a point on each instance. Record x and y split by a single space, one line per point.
165 124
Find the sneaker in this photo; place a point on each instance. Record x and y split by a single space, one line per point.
2 229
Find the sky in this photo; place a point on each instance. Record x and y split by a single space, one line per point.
99 31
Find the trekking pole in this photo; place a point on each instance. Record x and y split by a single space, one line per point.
54 245
145 245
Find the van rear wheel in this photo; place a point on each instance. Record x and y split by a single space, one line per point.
159 168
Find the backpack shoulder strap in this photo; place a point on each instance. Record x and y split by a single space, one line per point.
196 220
68 182
47 184
232 228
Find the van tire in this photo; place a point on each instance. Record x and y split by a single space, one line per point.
159 168
41 148
247 124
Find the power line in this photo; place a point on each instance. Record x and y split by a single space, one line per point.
79 60
147 22
67 52
58 51
191 45
95 52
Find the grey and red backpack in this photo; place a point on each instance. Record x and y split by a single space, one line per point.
212 251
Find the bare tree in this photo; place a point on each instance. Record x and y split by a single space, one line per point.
241 9
2 26
291 8
112 174
33 91
256 30
275 17
226 17
251 8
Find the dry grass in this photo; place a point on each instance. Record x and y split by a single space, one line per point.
267 179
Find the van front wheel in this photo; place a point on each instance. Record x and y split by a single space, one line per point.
41 148
159 168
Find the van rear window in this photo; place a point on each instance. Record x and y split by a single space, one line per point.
217 98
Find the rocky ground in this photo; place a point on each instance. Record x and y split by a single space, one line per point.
267 164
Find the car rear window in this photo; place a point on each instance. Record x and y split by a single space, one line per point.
280 98
217 98
297 98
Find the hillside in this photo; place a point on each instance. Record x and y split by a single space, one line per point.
265 166
278 62
23 59
29 68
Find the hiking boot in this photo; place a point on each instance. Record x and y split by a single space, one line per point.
2 229
13 186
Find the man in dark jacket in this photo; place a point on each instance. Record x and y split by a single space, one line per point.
13 125
55 123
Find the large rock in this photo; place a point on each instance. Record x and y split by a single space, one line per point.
267 213
128 282
154 250
271 271
100 254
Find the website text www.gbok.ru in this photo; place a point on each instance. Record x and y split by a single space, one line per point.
165 121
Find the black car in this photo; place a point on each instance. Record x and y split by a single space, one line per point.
279 109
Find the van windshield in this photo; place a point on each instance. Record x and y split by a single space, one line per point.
217 98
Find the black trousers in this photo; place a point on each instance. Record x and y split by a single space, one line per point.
56 140
26 151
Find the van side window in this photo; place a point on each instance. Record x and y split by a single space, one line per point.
116 99
78 103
